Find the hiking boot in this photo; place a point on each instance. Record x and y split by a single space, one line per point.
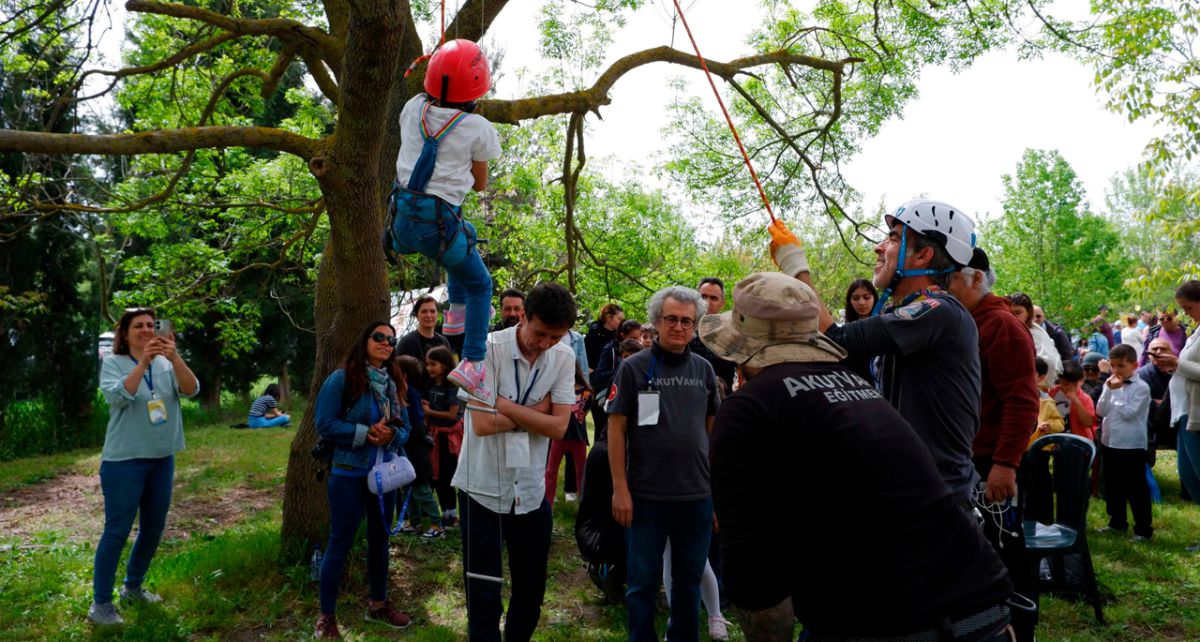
718 627
104 615
388 615
434 533
139 594
454 321
472 377
327 628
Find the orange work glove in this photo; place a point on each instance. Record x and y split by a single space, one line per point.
786 250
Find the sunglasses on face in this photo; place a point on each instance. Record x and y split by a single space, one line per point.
379 337
1091 369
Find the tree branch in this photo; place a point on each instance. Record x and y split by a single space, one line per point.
512 112
324 45
474 19
161 141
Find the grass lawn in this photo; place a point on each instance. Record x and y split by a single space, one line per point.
218 565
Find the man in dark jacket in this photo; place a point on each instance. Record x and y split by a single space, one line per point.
1008 414
885 552
1062 341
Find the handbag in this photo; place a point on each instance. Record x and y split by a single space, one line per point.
384 477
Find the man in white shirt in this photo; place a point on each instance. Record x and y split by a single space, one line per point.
502 466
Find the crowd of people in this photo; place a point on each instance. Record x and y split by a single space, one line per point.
721 441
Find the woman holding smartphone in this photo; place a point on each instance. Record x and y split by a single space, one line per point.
142 380
359 409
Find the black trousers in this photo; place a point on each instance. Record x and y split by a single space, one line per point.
527 538
1006 535
1125 483
447 465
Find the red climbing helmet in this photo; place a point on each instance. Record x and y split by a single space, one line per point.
460 67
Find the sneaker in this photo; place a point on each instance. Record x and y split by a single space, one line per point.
1194 548
104 615
388 615
139 594
327 628
1141 538
1109 529
454 321
718 627
434 533
472 377
409 529
570 497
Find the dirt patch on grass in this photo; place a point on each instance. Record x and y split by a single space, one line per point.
71 508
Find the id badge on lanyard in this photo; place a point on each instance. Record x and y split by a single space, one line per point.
647 400
516 444
155 408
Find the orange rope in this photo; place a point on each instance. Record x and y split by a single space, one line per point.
707 74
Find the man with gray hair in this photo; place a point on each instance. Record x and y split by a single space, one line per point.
660 416
1009 404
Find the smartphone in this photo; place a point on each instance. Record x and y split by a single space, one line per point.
164 328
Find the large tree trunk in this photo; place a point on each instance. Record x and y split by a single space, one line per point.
351 284
210 393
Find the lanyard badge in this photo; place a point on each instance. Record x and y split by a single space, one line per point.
648 400
155 408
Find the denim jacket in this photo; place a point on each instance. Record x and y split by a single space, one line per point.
347 428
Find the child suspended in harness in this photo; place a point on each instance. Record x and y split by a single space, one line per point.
444 152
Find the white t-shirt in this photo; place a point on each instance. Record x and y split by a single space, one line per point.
1132 338
483 471
473 139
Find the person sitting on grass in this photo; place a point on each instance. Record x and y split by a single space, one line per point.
265 413
1124 403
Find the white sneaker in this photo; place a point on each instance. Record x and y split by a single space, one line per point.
718 627
104 615
138 594
571 497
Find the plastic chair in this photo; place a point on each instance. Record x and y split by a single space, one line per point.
1055 502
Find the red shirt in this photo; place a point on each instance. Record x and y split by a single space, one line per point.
1009 400
1088 431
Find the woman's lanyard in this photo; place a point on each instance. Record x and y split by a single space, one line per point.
523 398
147 376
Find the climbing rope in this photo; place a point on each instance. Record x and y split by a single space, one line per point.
729 120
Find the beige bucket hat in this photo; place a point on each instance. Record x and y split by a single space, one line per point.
774 320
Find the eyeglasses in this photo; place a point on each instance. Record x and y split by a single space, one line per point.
379 337
683 322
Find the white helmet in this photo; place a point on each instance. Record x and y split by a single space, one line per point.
944 223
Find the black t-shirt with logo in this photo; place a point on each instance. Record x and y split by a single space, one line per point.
824 493
668 460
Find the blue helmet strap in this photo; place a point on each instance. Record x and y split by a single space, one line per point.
902 273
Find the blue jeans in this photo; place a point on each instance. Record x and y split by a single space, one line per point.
528 539
467 279
1188 447
348 499
133 487
263 422
689 526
